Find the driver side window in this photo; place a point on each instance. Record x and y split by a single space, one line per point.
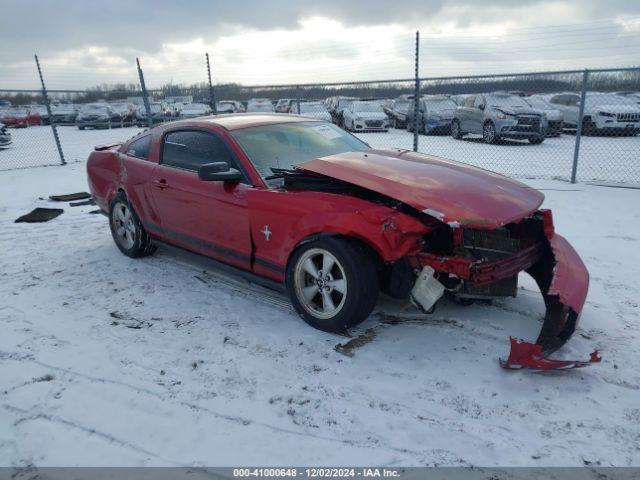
190 149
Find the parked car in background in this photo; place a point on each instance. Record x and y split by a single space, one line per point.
229 106
64 113
315 110
365 116
97 115
336 108
554 115
126 111
20 117
497 116
159 114
435 113
4 104
604 113
260 105
284 105
193 110
41 110
397 111
5 136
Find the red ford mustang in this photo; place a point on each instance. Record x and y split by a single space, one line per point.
305 204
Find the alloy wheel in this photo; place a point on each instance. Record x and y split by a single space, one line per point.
320 283
123 225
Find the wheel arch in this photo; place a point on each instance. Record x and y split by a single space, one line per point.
370 248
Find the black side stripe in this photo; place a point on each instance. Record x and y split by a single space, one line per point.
181 237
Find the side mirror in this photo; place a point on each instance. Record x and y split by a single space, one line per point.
218 172
481 106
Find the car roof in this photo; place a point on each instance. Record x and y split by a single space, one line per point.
236 121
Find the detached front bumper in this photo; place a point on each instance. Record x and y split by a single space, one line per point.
552 262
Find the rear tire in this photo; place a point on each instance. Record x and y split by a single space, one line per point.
332 283
127 230
455 129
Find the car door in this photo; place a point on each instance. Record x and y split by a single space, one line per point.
464 113
476 114
207 217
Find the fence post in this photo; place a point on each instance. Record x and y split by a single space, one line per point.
48 106
576 150
298 99
416 96
212 93
145 94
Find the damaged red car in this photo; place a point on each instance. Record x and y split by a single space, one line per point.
309 207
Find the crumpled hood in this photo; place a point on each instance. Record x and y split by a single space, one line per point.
452 192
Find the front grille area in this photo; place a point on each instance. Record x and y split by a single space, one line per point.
629 117
373 123
527 123
490 245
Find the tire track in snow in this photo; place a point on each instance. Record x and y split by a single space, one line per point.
29 416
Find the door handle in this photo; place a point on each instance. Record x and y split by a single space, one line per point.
161 184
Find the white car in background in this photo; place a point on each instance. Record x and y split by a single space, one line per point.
604 113
229 106
193 110
365 116
555 117
260 105
314 110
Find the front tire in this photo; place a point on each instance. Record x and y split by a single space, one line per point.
536 140
455 129
332 283
127 230
489 133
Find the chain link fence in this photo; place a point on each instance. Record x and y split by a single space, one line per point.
569 125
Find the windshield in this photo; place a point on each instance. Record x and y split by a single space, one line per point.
508 101
440 104
367 107
94 109
195 107
64 108
285 145
401 106
314 107
260 107
539 103
344 103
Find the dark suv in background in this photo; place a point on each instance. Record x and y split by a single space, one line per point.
435 113
496 116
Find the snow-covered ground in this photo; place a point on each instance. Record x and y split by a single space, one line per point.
105 360
609 159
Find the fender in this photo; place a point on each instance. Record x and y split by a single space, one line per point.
278 226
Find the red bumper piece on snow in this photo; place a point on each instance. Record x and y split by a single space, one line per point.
529 355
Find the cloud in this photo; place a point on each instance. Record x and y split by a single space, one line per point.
255 42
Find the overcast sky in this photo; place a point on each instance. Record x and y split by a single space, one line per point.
85 43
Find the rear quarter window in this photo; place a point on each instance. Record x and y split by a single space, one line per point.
140 148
